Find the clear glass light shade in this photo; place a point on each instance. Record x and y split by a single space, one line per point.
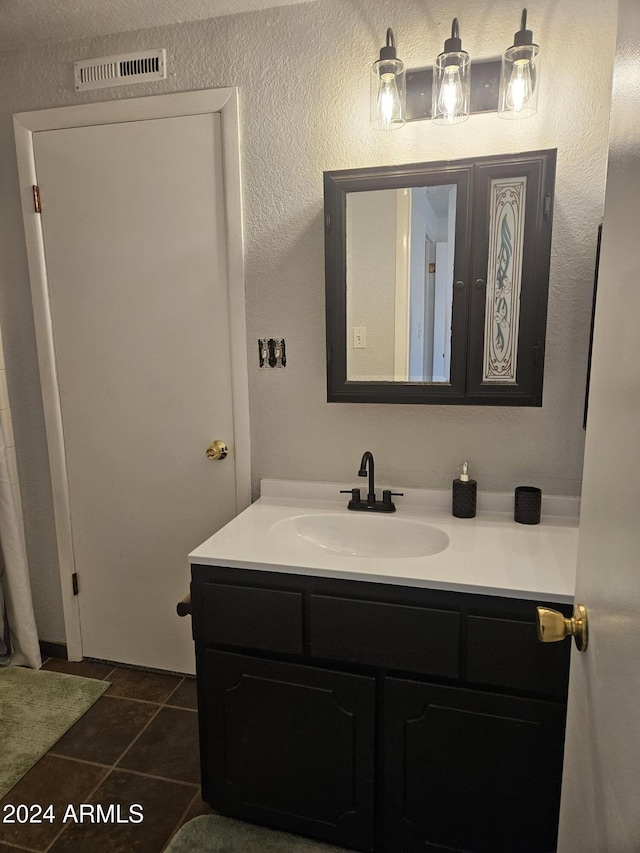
451 87
518 97
388 94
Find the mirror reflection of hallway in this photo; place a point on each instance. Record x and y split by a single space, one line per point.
400 258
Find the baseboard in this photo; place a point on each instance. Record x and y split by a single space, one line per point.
53 650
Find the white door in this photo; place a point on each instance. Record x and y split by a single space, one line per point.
600 810
133 225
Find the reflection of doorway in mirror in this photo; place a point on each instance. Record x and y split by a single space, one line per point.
432 245
371 279
429 307
393 236
402 314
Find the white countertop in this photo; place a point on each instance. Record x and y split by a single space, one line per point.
489 554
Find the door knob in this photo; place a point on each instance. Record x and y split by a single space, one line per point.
554 626
217 450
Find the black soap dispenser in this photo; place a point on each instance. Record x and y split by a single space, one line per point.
463 502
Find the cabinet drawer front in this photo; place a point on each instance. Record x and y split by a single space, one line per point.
416 639
506 653
253 618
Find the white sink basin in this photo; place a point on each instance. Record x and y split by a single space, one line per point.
360 535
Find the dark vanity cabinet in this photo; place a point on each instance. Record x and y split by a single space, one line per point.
378 717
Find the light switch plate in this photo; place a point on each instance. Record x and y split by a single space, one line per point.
272 352
359 337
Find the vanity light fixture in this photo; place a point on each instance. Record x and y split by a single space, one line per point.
451 81
518 97
388 93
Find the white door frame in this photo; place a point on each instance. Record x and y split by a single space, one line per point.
225 102
403 285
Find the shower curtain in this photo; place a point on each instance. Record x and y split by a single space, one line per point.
5 636
18 633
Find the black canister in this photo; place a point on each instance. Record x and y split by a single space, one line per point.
463 499
527 504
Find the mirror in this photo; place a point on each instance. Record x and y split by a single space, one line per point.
437 280
400 259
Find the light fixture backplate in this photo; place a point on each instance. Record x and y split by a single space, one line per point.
485 86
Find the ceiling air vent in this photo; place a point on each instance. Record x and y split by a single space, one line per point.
120 70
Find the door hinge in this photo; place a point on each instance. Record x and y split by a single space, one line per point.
547 206
537 352
74 582
328 222
36 199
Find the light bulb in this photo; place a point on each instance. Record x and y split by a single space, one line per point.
518 94
389 106
387 88
520 86
451 96
450 89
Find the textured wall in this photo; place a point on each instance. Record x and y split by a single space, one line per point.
303 74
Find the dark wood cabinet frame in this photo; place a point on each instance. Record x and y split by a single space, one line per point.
472 178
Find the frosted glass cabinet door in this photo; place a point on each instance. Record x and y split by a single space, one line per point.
510 274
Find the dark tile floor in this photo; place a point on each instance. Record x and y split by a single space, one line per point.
138 744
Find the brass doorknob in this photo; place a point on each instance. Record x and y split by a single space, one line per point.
217 450
554 626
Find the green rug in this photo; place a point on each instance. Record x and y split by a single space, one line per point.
36 709
216 834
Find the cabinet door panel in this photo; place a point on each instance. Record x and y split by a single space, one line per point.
338 186
472 772
290 746
510 271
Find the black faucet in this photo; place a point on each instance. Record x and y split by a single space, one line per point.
371 504
367 459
